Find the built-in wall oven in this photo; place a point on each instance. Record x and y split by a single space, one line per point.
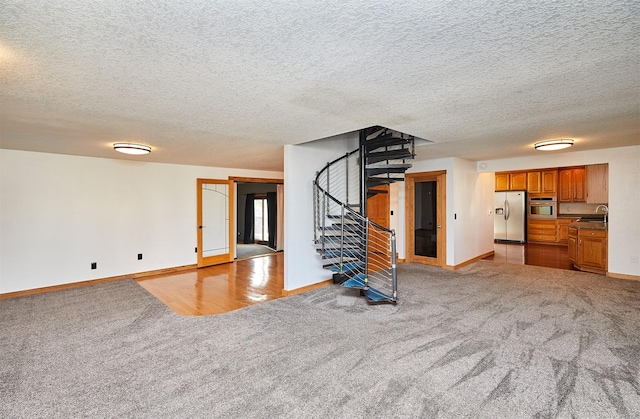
542 208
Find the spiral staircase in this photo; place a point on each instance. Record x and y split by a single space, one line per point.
360 253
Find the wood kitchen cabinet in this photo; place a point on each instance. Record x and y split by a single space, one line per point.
534 182
542 181
502 181
563 229
597 179
542 231
572 244
590 249
511 181
549 181
518 181
571 184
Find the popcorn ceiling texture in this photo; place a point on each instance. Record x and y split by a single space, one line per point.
225 83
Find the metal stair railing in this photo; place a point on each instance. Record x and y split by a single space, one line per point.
360 251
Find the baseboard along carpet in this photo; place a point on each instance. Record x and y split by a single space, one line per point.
489 340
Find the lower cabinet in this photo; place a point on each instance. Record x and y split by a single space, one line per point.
588 249
542 231
572 243
549 231
563 229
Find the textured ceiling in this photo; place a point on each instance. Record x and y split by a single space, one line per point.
228 83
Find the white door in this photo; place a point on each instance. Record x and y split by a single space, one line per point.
215 222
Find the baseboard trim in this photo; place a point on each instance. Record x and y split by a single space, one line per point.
136 276
286 293
469 262
623 276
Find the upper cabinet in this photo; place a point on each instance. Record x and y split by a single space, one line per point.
588 184
542 181
597 183
511 181
549 181
518 181
534 182
571 184
502 181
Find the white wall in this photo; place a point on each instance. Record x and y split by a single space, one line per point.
469 228
303 265
624 195
473 206
59 213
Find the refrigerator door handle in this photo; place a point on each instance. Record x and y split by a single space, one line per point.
506 210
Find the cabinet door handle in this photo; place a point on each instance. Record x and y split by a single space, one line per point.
580 242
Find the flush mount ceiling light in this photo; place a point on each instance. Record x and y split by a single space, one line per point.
129 148
554 144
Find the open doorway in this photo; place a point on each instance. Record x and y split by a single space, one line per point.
259 221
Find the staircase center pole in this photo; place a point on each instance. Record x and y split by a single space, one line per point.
363 173
394 268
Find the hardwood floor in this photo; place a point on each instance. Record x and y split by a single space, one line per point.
221 288
550 256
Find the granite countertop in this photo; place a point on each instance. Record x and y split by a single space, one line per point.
593 225
591 217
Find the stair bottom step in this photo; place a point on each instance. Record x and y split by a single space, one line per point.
377 297
372 295
357 282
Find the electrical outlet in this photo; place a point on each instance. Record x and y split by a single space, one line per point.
196 250
94 265
139 256
634 259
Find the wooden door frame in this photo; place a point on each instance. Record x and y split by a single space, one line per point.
240 179
441 190
225 258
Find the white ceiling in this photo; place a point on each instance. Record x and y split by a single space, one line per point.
229 83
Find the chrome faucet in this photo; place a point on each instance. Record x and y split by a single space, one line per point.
606 211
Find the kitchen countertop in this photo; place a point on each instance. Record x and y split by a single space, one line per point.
593 225
593 217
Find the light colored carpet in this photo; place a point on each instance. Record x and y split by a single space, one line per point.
251 250
489 340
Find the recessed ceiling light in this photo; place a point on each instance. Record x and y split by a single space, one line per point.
129 148
554 144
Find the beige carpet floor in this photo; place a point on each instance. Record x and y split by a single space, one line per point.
487 341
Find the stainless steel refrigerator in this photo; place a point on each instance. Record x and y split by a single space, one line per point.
510 216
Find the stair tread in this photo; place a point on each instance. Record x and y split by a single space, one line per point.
357 281
371 182
399 154
376 296
335 260
384 141
346 266
388 166
345 253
